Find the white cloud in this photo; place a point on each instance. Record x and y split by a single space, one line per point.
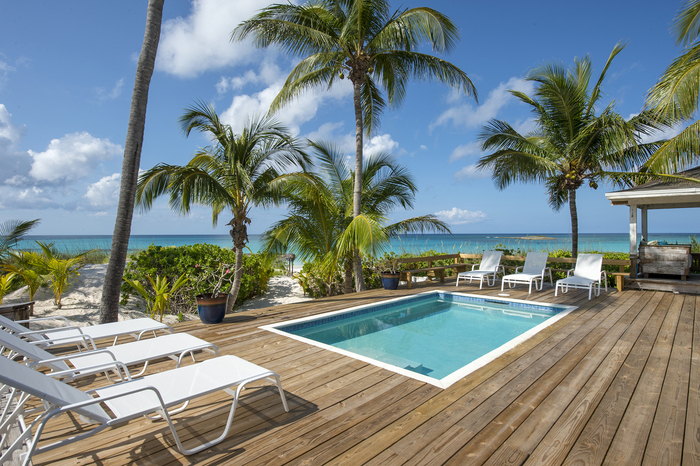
380 143
294 114
105 192
201 42
464 150
470 171
458 216
71 157
469 116
15 164
28 198
104 94
423 147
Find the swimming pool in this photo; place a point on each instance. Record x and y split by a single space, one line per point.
437 337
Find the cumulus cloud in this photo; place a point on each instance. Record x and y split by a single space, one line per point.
105 192
72 157
201 42
471 117
15 164
28 198
464 150
470 171
457 216
380 143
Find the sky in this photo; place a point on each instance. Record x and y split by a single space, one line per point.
67 73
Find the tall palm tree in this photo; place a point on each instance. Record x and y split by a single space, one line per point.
376 48
320 226
111 291
237 172
570 145
677 95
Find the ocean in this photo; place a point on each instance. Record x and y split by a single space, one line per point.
448 244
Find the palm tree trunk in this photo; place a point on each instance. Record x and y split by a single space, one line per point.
574 223
357 192
109 306
240 236
347 281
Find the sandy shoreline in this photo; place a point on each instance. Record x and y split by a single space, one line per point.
81 303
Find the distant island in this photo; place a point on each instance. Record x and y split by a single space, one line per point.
532 238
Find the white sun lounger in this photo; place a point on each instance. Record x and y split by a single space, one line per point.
533 270
175 346
488 267
587 274
60 336
132 399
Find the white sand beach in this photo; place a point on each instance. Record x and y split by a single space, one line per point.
81 303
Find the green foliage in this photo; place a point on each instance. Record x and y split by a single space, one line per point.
314 280
61 273
29 267
11 231
199 264
157 301
694 245
6 284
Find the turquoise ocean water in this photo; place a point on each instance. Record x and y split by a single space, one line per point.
448 244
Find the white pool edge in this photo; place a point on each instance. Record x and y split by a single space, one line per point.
445 381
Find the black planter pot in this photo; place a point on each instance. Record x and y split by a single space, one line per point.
390 281
211 309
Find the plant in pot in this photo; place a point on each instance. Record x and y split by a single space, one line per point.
212 306
388 270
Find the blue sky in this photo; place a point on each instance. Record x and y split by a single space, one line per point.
67 72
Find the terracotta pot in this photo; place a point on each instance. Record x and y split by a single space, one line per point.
211 309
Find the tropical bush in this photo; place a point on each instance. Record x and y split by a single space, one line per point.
202 265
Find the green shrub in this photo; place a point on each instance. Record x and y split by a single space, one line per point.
196 261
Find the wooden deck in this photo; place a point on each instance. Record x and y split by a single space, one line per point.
614 382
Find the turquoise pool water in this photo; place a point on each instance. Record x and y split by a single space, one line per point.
434 334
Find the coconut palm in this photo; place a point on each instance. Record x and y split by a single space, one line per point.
571 145
677 95
321 227
236 172
377 50
111 291
11 231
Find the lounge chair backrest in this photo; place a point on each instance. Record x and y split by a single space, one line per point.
535 262
27 350
589 266
490 260
48 389
14 327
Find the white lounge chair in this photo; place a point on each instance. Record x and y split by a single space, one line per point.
131 399
533 270
59 336
489 266
175 346
587 274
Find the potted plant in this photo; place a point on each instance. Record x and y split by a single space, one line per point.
389 273
212 306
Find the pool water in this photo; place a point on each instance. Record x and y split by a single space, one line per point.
432 335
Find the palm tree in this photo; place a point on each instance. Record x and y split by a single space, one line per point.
376 48
571 145
237 172
111 291
321 226
11 231
676 94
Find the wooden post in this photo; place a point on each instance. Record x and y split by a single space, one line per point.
633 240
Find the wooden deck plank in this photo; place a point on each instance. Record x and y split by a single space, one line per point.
666 438
559 397
691 443
592 445
632 434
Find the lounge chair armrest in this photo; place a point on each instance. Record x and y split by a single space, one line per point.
80 338
36 319
75 356
49 330
603 275
474 266
569 273
72 374
519 268
102 399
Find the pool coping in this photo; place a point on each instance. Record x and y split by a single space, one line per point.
449 379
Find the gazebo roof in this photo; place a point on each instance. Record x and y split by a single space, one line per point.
661 194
